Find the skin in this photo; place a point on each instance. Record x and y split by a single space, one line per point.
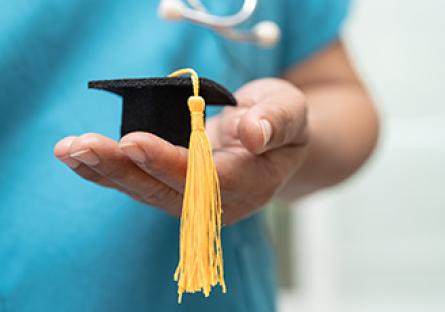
287 138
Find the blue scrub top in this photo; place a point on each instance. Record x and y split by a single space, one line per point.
68 245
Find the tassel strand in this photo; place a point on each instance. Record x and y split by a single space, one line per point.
200 264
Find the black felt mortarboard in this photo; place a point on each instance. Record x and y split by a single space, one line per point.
174 108
159 105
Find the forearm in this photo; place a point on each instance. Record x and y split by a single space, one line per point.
343 131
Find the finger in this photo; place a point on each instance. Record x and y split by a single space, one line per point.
278 117
104 156
62 152
242 175
159 158
228 124
213 130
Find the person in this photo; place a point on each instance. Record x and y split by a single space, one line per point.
304 121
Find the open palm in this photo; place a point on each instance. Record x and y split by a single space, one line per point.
257 145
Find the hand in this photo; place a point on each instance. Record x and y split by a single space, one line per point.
258 146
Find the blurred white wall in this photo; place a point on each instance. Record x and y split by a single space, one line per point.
377 243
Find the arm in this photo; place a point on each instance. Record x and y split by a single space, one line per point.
342 121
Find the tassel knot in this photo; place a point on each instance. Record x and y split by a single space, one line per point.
196 106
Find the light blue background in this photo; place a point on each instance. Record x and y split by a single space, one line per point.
68 245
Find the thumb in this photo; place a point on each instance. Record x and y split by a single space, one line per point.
277 117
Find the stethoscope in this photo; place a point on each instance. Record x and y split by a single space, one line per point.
265 33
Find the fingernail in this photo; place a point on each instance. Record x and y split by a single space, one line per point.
70 162
266 128
133 151
87 157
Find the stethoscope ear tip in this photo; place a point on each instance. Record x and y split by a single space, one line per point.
267 34
171 10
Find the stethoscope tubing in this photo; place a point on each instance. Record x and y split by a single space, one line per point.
199 14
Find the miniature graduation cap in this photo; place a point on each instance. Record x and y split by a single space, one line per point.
158 106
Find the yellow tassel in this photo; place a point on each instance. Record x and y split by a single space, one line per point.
200 254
